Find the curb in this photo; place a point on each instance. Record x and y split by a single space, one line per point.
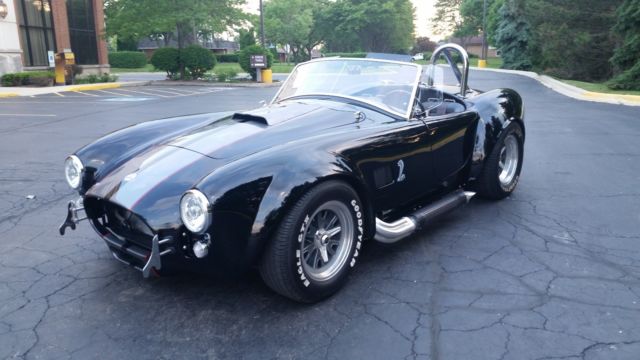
114 85
8 95
573 91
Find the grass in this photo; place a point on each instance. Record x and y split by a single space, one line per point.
599 87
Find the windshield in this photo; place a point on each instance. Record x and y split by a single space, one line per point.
387 85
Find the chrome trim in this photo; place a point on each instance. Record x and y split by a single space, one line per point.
205 199
390 233
465 65
406 115
73 215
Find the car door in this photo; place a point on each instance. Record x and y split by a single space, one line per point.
451 136
397 164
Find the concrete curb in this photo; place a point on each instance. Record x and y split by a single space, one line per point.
8 95
573 91
30 91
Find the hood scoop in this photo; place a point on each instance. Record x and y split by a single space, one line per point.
244 117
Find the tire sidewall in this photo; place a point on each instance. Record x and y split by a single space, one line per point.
339 192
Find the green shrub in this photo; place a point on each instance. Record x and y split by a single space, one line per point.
226 74
92 79
166 59
628 80
127 59
197 60
347 55
244 58
227 58
38 78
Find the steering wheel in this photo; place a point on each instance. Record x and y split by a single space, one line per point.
397 99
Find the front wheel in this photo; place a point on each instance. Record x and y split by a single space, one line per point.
316 244
502 168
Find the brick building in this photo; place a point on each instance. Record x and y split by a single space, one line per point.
33 27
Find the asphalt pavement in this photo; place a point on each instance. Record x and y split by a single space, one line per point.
551 272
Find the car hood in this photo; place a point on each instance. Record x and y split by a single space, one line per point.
248 132
151 182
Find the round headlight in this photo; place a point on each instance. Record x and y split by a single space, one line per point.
194 211
73 171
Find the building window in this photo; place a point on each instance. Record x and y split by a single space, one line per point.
82 31
36 31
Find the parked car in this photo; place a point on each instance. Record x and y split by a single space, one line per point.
348 151
418 56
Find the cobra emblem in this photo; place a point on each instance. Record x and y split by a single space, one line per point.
401 175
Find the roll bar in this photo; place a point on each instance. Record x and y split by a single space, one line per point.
461 76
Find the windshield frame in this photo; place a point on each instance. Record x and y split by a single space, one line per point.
406 115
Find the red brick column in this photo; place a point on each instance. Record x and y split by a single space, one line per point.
61 24
98 12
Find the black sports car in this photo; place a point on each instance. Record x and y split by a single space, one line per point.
348 150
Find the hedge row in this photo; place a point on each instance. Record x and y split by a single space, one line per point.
127 59
227 58
195 59
37 78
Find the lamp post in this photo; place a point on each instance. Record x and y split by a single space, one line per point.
4 9
261 25
483 57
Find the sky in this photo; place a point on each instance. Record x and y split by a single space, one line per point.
425 9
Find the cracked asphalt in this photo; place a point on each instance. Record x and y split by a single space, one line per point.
550 273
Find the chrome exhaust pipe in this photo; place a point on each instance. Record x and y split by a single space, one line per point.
390 233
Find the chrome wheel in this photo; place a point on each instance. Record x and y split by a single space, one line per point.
327 241
508 161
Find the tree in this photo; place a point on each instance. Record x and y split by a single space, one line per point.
299 31
447 17
246 38
168 19
626 57
513 36
423 44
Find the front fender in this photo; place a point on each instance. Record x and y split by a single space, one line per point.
497 110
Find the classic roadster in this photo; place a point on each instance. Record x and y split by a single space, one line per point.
348 150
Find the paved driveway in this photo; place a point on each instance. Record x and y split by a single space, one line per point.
551 272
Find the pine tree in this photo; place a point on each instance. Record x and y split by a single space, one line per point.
626 58
513 36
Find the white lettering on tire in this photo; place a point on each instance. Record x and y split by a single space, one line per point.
356 252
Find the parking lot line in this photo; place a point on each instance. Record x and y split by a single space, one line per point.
30 115
84 93
57 93
145 93
113 93
168 92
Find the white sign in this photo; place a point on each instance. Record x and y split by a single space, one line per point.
52 59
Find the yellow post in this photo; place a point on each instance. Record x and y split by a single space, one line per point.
482 63
60 69
267 76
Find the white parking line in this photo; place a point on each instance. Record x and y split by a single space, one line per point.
31 115
145 93
113 93
84 93
58 94
165 91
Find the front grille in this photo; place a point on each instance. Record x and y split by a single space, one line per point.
120 222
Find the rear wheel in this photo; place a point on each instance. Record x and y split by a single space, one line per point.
316 244
502 168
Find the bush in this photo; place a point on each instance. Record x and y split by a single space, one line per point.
92 79
226 74
227 58
166 59
347 55
244 58
38 78
197 60
127 59
628 80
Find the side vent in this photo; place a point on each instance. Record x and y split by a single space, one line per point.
240 117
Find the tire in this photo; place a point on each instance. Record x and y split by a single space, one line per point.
500 175
293 263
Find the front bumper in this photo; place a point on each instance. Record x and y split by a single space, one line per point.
142 255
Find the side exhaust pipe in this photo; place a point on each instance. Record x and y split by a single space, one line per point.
390 233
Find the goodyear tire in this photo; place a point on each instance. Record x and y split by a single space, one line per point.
502 168
316 244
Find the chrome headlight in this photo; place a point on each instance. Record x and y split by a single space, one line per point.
195 211
73 171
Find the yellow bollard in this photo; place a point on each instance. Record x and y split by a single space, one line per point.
267 76
482 63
